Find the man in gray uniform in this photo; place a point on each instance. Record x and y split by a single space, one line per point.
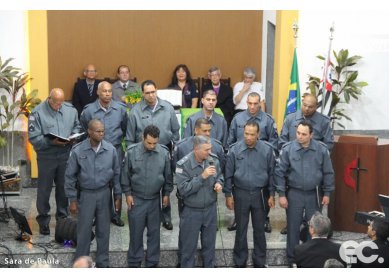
93 164
219 124
265 121
306 166
199 179
268 132
146 172
321 125
59 118
154 111
113 114
201 127
123 84
185 146
249 171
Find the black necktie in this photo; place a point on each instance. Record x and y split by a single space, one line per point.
90 88
124 86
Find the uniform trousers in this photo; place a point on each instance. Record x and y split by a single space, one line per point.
51 170
94 204
116 215
245 203
192 222
144 214
299 203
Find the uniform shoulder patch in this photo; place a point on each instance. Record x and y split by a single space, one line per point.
183 160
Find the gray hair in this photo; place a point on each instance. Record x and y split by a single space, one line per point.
213 69
320 224
333 263
200 140
249 72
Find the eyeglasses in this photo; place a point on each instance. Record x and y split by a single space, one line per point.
90 71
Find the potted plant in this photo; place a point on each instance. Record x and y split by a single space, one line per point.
344 83
14 102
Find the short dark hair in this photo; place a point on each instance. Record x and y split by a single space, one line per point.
152 131
201 121
253 124
381 229
254 94
307 124
147 82
209 92
93 122
123 66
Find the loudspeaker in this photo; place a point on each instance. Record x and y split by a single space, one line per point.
66 229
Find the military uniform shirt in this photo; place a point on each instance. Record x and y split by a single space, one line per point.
145 172
196 191
163 117
44 120
114 119
266 124
321 125
219 126
304 169
92 170
250 168
185 146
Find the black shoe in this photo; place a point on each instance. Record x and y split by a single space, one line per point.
259 266
118 222
44 230
240 266
232 227
168 225
284 231
267 226
178 265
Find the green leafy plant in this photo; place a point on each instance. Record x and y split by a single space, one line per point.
133 97
13 103
344 83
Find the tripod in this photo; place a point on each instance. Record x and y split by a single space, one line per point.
4 198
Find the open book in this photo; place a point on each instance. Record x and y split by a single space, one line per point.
64 139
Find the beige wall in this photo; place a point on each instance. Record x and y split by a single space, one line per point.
152 43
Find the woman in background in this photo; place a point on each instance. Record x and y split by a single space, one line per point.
182 80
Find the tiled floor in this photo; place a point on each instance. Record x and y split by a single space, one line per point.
45 246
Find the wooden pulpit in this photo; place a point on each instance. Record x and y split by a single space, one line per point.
361 165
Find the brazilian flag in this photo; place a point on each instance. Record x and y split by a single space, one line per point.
294 100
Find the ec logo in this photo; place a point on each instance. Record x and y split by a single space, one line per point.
351 251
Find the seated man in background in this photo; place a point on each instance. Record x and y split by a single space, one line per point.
315 252
123 84
85 90
244 88
223 92
378 232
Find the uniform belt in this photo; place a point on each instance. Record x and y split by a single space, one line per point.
95 190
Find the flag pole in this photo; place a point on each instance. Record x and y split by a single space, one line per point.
295 28
325 71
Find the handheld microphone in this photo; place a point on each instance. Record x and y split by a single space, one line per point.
211 162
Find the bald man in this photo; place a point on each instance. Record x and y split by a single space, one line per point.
60 118
85 90
321 123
